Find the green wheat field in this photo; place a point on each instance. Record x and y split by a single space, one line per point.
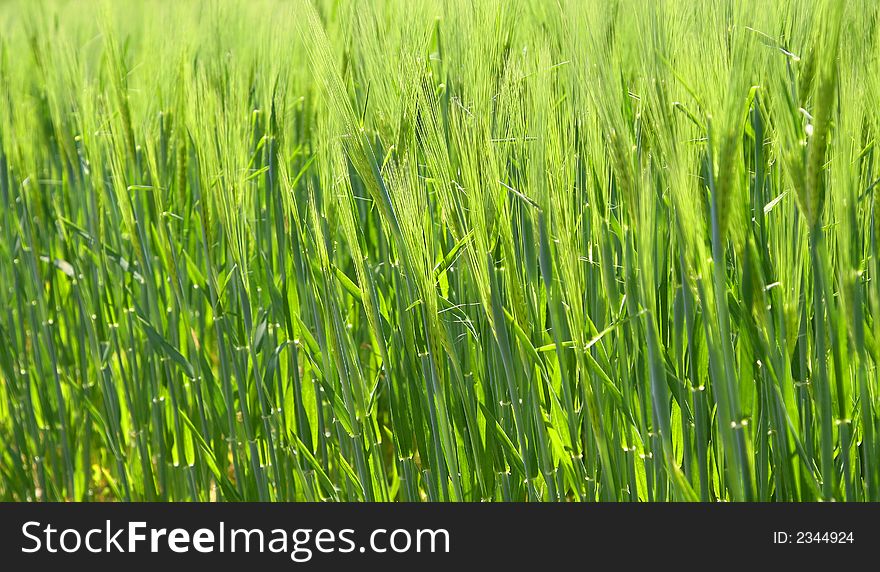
439 250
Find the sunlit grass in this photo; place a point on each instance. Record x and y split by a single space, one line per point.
439 250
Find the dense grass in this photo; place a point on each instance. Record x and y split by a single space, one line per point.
439 250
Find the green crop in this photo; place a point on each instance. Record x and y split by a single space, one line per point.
439 250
